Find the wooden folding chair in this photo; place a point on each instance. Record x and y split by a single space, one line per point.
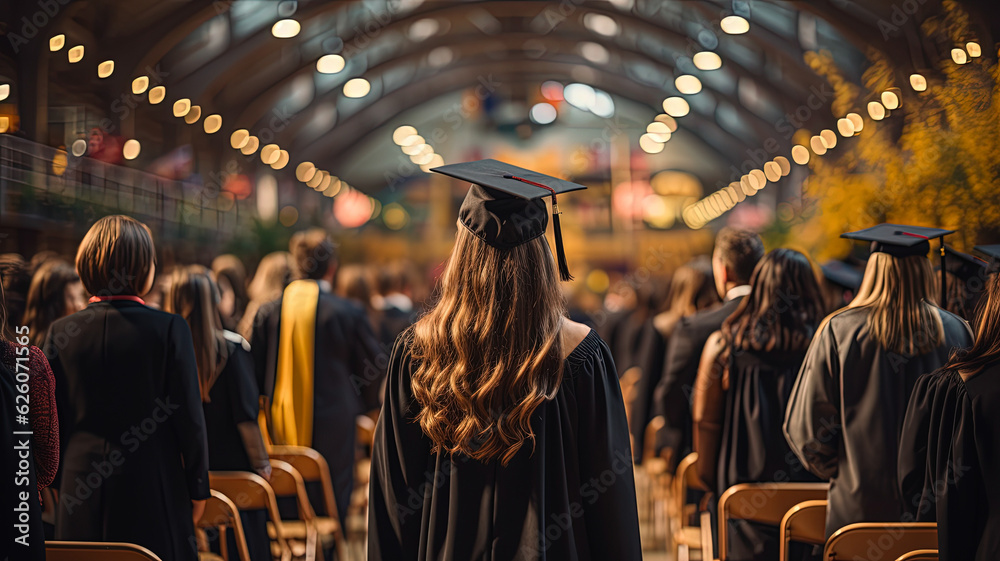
659 479
97 551
804 523
250 491
312 467
880 540
920 555
222 516
766 503
301 534
686 537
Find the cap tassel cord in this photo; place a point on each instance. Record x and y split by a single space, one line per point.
557 228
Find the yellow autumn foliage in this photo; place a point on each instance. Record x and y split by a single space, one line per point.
935 161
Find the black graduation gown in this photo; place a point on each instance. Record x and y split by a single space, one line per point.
652 351
672 397
234 400
134 440
572 498
752 448
846 413
347 376
949 459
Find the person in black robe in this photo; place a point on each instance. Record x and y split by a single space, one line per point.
503 433
345 365
744 381
229 393
948 466
846 411
736 254
691 290
135 454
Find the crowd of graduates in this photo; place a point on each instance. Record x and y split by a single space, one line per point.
769 367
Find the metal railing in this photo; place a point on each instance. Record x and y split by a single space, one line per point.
46 187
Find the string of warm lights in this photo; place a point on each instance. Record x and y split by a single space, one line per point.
700 213
416 147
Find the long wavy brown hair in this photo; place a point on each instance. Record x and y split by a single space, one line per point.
783 308
900 295
488 353
986 348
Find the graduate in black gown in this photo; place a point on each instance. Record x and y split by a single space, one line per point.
948 466
228 391
135 454
318 362
503 432
691 290
733 260
846 411
744 381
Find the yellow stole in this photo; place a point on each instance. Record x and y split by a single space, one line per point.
292 410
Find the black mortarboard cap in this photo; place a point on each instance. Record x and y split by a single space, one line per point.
504 206
992 251
904 241
842 274
898 240
963 265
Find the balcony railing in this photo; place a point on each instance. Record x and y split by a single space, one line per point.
43 187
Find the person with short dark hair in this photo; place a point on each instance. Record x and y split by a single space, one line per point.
736 254
133 432
318 362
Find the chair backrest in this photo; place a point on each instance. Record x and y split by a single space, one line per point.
287 482
221 513
312 466
649 437
365 426
804 522
249 491
763 502
880 540
683 478
97 551
920 555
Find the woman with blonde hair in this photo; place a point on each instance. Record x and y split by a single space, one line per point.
503 432
846 410
273 274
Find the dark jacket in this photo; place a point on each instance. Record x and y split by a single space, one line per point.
131 425
673 394
347 378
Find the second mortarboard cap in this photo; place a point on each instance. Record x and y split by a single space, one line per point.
504 206
992 251
842 274
898 240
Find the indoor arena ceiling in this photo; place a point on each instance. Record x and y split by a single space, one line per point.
223 56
